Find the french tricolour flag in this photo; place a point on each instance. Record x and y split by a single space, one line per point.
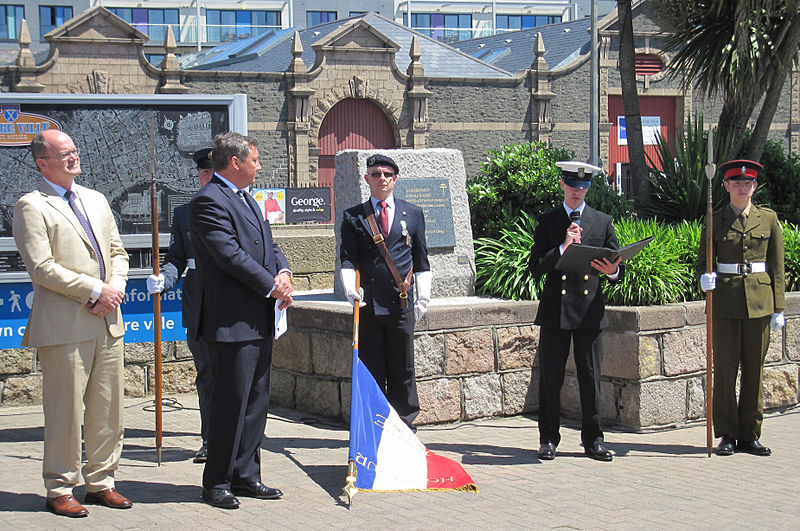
387 454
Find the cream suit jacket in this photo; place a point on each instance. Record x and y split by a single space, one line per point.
63 266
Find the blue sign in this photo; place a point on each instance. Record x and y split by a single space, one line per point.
16 300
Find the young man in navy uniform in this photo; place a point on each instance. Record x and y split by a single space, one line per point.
180 256
572 309
748 284
386 332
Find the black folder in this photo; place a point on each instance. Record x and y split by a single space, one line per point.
578 258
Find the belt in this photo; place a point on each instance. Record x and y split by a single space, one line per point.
742 269
190 263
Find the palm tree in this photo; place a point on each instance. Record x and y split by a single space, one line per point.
740 50
630 101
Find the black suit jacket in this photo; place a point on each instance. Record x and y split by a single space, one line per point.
237 262
570 301
358 251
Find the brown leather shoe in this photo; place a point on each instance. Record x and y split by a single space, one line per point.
110 498
66 505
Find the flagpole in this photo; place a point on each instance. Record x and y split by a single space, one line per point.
711 169
157 296
350 488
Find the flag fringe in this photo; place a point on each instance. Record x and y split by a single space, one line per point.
470 487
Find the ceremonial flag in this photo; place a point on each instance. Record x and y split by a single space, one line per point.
387 454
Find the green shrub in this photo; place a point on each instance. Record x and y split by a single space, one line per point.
659 274
779 182
791 239
501 265
514 179
521 178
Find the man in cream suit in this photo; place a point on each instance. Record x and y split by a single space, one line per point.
72 250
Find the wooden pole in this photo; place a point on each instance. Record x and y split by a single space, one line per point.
350 488
156 297
711 169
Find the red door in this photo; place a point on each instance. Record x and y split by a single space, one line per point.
658 113
351 124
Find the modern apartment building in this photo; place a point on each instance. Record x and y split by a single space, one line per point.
200 24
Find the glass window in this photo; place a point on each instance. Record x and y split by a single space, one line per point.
151 22
10 21
520 22
319 17
443 27
357 13
223 25
51 17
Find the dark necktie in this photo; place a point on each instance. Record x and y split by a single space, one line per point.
383 217
70 195
242 194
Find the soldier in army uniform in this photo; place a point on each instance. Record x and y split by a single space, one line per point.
572 310
180 258
748 283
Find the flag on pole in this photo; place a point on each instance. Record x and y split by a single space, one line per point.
387 454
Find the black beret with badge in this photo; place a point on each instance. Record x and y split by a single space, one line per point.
382 160
202 158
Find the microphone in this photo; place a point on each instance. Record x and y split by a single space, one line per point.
575 217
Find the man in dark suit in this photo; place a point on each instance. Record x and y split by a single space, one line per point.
69 241
241 273
180 256
748 301
572 309
386 332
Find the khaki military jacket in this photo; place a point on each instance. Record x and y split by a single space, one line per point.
750 295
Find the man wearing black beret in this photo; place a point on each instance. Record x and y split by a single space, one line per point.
384 238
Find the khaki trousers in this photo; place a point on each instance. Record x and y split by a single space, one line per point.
82 384
739 345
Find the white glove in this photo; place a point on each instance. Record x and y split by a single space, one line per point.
708 281
155 284
348 277
777 321
423 283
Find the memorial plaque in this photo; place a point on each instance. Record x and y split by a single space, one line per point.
433 197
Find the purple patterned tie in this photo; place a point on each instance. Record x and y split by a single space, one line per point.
70 195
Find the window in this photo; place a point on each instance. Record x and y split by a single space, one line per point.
318 17
224 25
442 27
151 22
521 22
10 22
51 17
357 13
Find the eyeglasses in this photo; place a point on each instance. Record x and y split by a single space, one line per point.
66 155
379 174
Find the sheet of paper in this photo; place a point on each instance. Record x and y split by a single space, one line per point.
281 323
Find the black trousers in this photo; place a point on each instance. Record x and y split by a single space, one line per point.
238 413
553 352
386 346
204 382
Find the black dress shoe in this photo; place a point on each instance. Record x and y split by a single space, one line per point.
222 498
726 445
547 451
257 490
599 452
201 456
753 447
